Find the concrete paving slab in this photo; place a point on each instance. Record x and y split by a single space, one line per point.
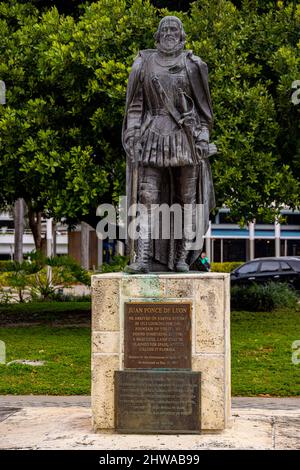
272 403
70 428
22 401
287 433
64 422
5 412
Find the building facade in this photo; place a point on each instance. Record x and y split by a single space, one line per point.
7 233
227 241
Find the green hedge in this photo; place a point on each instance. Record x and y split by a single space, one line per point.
6 265
263 297
45 312
227 267
117 264
45 307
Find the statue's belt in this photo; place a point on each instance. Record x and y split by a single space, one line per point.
159 112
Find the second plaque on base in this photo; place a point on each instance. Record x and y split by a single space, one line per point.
157 402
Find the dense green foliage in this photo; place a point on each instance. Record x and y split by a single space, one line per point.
263 297
117 264
60 145
253 59
6 265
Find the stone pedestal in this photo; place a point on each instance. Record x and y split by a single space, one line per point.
209 296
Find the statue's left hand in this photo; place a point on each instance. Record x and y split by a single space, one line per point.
203 149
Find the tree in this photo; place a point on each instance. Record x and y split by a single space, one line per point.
70 7
19 229
254 174
60 145
44 159
60 132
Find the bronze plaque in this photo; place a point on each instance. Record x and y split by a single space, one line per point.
157 335
157 402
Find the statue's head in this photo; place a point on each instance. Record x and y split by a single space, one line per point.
170 33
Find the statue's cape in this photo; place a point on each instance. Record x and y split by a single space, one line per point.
198 76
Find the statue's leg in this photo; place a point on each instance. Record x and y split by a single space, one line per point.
149 194
186 187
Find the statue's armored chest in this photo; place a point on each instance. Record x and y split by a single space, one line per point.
172 76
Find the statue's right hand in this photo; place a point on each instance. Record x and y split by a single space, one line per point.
134 149
131 148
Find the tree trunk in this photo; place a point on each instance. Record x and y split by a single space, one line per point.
85 237
54 239
19 229
35 224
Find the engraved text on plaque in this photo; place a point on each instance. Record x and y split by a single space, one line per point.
155 401
157 335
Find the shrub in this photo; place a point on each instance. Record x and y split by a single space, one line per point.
59 297
263 297
65 272
70 269
6 265
4 279
6 296
30 279
227 267
118 264
44 308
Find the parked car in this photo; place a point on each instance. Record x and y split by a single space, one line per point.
262 270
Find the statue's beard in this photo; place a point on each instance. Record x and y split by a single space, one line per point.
172 52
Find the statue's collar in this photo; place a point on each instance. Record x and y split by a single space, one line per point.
173 53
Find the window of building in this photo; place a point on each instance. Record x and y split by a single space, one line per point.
234 250
264 248
229 250
227 218
293 247
291 219
6 224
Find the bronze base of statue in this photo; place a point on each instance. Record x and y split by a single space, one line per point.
140 268
137 268
182 267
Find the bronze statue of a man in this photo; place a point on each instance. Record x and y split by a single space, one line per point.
166 131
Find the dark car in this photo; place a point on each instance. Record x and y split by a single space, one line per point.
262 270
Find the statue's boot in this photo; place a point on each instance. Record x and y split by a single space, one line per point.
143 261
181 265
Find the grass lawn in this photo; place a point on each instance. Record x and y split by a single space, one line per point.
262 353
261 356
66 350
